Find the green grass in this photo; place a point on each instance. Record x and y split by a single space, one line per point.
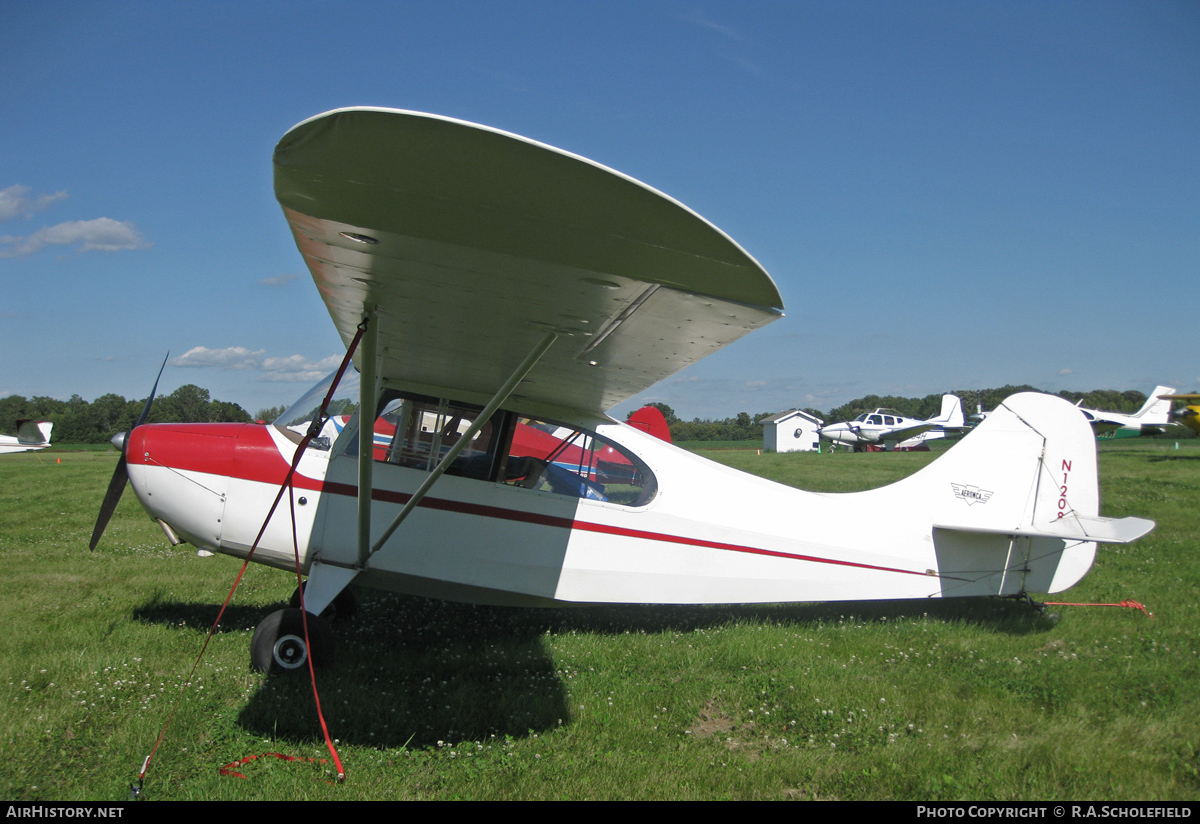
976 699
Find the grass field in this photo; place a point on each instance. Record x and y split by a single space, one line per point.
980 699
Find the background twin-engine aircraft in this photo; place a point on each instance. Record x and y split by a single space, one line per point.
31 436
501 294
887 427
1153 417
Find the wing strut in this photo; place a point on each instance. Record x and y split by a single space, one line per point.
367 394
500 397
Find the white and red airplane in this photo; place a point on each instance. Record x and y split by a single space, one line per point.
510 293
31 436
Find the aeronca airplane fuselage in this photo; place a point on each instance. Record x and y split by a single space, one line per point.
501 294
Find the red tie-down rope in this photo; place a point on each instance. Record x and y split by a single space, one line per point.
1126 604
229 769
313 430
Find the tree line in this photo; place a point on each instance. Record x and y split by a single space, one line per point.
744 427
78 421
930 406
741 427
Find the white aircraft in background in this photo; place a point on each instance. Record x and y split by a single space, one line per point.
31 436
887 427
1153 417
501 294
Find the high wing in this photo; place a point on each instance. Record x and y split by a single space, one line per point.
471 243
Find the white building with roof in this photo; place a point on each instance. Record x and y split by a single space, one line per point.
792 431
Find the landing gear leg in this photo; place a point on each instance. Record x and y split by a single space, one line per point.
343 606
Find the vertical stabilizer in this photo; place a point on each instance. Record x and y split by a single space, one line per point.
952 412
1015 506
650 419
37 433
1156 410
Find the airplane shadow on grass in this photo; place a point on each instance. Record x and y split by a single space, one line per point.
416 671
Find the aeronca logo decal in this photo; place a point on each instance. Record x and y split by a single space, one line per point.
971 494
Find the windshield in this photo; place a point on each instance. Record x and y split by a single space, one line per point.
295 421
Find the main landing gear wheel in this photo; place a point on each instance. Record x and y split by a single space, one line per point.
278 643
343 606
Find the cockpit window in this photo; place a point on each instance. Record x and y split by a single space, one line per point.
418 432
294 423
576 462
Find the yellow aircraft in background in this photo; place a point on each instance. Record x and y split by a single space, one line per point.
1189 416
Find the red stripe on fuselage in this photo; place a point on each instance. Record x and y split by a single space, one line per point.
462 507
247 452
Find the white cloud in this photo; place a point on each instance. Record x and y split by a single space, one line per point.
15 202
278 280
102 234
291 369
298 368
232 357
1065 372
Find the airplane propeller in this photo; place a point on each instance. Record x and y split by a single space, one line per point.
120 475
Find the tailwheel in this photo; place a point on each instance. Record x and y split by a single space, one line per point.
343 606
278 644
1042 609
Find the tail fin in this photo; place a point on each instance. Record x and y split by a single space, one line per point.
37 433
1015 506
1156 410
650 419
951 414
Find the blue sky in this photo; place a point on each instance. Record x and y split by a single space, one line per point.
949 195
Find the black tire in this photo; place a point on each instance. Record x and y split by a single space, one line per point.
278 643
343 606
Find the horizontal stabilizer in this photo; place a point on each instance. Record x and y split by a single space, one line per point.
37 433
1072 528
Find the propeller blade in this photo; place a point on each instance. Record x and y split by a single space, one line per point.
150 400
111 498
120 475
